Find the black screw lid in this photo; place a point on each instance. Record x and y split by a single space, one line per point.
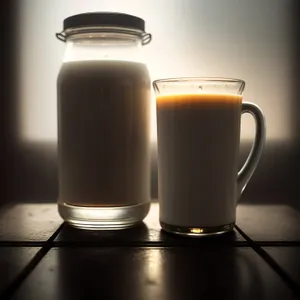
104 19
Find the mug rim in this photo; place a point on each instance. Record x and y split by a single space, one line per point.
211 79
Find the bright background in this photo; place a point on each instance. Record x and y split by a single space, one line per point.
243 39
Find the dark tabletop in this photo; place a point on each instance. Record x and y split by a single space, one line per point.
43 258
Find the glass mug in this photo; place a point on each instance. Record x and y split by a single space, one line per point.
198 136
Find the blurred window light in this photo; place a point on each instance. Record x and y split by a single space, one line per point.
244 39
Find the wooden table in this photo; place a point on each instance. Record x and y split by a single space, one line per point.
42 258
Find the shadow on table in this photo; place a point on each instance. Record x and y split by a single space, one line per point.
143 235
76 236
170 273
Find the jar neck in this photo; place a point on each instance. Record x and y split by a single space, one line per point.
103 44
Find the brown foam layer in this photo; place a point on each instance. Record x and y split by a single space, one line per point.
183 99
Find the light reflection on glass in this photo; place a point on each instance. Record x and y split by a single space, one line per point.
196 230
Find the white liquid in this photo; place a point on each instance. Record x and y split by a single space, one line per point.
198 144
104 134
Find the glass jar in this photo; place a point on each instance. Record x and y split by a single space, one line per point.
103 91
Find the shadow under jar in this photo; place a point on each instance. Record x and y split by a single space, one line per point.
103 92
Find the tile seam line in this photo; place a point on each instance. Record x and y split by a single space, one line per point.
20 244
293 286
142 245
30 266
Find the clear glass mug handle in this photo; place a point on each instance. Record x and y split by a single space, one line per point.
250 165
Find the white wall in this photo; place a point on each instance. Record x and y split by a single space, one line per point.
244 39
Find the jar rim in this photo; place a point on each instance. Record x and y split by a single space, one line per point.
69 32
